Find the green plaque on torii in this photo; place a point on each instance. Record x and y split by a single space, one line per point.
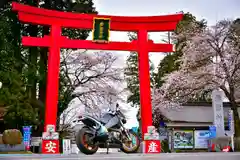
101 30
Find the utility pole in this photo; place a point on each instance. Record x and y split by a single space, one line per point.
169 40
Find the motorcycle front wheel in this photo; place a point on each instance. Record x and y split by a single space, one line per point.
84 141
131 146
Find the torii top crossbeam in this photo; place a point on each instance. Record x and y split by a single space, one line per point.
76 20
57 20
40 16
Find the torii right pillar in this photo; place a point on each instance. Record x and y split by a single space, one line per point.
145 93
144 80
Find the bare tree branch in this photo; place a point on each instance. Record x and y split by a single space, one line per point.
92 78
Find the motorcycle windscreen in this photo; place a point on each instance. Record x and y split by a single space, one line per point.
106 117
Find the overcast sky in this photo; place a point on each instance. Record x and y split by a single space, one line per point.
211 10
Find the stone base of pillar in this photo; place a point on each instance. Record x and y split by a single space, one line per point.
50 147
50 143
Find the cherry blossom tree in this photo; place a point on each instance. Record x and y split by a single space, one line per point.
210 60
170 63
92 78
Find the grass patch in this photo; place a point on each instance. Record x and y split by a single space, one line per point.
17 152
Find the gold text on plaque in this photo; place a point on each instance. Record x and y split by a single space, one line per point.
101 29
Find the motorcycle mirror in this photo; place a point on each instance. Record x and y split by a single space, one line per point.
117 107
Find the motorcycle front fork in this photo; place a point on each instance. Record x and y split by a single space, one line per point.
127 135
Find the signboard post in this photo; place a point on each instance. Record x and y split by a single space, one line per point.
201 139
27 136
183 139
66 146
163 134
35 143
231 126
217 103
212 132
231 121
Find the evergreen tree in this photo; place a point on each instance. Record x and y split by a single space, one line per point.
131 74
132 77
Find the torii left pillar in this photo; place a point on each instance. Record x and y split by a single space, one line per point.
53 76
50 136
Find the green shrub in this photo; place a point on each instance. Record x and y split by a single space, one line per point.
12 137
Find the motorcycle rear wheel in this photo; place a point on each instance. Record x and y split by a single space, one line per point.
133 149
83 143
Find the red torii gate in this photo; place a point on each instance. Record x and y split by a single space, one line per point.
56 20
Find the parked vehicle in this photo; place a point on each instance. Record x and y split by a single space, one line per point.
106 132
